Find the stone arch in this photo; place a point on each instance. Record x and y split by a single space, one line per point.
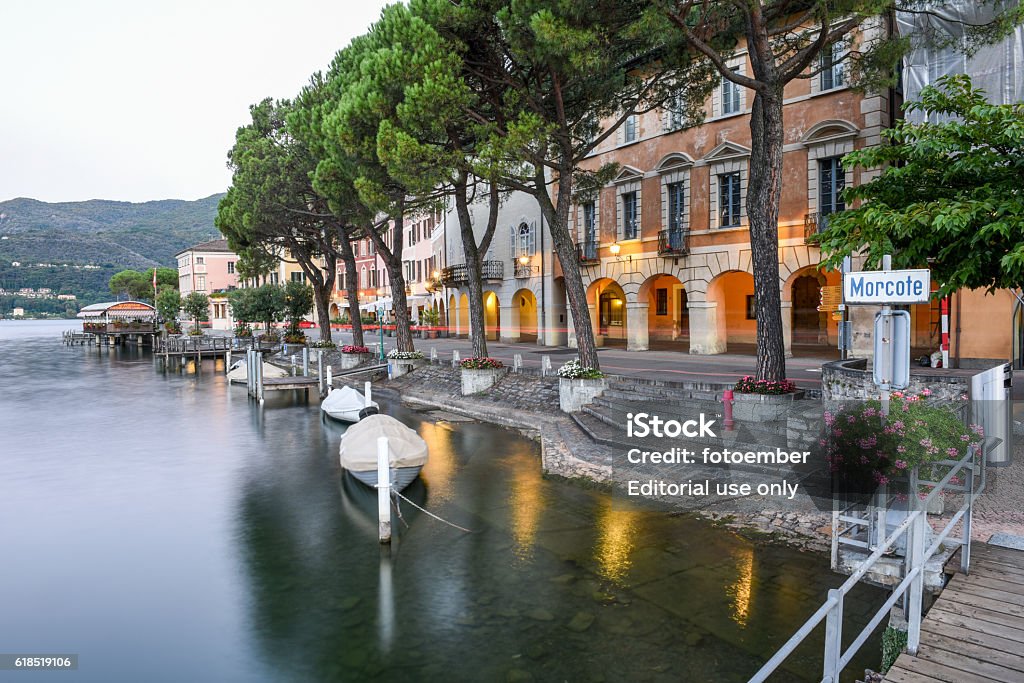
334 312
607 299
730 324
492 315
524 323
463 321
660 314
831 129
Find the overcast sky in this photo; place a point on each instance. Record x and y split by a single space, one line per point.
139 99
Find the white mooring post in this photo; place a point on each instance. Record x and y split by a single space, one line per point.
383 491
305 361
545 365
517 362
433 355
227 361
456 358
330 379
367 394
293 365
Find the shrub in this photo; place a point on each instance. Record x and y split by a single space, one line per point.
395 354
243 329
573 369
196 332
323 344
749 385
294 337
350 348
482 364
865 453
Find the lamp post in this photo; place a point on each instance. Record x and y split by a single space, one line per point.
380 321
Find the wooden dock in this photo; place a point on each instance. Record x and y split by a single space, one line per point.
974 633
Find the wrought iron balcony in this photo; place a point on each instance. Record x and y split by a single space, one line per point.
588 253
814 225
456 275
433 284
673 242
523 270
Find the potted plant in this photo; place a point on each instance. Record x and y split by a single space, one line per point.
430 318
353 356
402 362
480 374
758 400
578 385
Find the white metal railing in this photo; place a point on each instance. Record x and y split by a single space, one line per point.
916 527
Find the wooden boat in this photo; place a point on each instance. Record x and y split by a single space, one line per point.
345 404
358 451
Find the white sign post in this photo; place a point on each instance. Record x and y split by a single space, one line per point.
887 287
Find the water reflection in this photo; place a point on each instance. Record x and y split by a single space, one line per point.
617 528
224 529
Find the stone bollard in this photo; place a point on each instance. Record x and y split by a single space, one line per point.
517 362
456 358
545 365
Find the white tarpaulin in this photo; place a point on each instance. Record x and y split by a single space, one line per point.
996 69
359 444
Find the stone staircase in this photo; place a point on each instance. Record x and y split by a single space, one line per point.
605 419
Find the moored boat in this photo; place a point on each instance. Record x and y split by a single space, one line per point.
345 404
239 372
407 451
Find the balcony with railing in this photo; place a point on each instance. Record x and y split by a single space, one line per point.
523 270
673 242
814 225
588 253
456 275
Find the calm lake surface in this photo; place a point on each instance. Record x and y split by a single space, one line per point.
164 528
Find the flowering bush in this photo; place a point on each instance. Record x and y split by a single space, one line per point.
573 369
866 453
243 330
294 337
323 344
350 348
482 363
749 385
395 354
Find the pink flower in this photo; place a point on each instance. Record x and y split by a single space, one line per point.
926 392
897 394
965 437
850 419
901 464
901 449
952 452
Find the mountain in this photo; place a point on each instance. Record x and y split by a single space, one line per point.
53 242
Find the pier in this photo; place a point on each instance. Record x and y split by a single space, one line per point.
974 633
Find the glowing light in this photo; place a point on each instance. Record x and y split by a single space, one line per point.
739 590
616 531
526 502
615 248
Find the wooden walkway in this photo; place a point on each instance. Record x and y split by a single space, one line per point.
974 633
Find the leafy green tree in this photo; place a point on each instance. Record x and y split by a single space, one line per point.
197 306
425 141
168 303
255 263
784 42
298 302
165 277
267 304
551 81
272 205
132 284
949 197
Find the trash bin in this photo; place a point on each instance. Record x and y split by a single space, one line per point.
992 408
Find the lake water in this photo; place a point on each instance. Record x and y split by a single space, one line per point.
165 528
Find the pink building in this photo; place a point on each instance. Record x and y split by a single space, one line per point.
209 268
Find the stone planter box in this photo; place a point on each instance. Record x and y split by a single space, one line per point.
397 368
475 381
289 349
351 360
763 407
573 394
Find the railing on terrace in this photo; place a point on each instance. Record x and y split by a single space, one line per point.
673 242
588 253
911 588
191 344
452 276
814 225
523 270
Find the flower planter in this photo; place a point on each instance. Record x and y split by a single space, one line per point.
475 381
397 368
573 394
763 407
351 360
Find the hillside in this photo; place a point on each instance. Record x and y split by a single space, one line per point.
48 240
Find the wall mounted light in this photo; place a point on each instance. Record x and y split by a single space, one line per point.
615 249
524 260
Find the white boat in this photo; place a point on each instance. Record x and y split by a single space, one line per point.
345 404
240 370
407 450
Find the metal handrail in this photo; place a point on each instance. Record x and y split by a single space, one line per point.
835 658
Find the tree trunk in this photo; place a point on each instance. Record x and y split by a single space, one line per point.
348 257
477 329
565 249
393 262
763 196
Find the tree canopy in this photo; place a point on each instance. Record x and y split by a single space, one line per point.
950 197
138 285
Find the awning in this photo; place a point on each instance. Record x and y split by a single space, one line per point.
384 303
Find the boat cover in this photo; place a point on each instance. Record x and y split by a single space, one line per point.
359 444
345 400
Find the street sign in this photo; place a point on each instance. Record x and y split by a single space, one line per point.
831 298
887 287
892 350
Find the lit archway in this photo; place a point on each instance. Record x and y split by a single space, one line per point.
334 312
668 317
524 316
492 316
814 332
735 315
463 315
607 303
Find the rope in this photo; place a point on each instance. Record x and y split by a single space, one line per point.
430 513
